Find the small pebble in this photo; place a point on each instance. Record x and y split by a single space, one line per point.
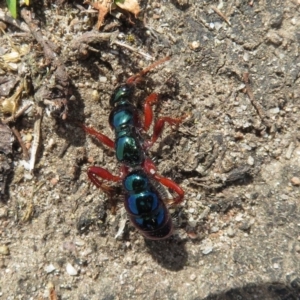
276 266
204 213
207 250
246 56
239 218
95 95
274 38
245 226
71 270
295 181
129 260
90 160
102 79
29 137
54 181
274 110
192 235
193 277
194 45
192 223
28 176
290 150
191 210
3 212
250 161
4 250
121 36
230 232
79 242
50 144
214 229
218 25
284 197
50 268
86 252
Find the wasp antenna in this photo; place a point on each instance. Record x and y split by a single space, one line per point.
135 78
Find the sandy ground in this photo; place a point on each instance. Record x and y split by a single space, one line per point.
237 157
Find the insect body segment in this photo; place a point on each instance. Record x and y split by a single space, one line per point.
145 208
121 95
144 204
128 144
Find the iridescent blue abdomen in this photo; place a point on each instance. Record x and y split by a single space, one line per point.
145 208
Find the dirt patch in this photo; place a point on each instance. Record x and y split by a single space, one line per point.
237 232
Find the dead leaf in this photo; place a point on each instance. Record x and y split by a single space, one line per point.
104 7
129 5
10 105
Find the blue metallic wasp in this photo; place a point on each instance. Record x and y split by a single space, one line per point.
143 201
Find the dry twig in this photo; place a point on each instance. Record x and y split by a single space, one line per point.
19 113
62 80
264 117
64 149
10 20
82 43
19 138
146 55
221 15
37 132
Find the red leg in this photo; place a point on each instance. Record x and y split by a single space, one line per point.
123 171
173 186
159 126
150 168
148 113
99 136
137 77
98 174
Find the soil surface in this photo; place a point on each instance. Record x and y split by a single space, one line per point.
234 69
